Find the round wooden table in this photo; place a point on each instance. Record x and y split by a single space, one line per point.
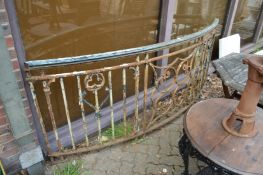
205 139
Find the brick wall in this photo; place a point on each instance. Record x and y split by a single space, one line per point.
9 150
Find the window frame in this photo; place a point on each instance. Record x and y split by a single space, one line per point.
164 35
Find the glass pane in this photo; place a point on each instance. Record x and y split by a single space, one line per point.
60 28
245 19
85 26
191 15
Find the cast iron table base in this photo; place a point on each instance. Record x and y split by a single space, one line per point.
187 150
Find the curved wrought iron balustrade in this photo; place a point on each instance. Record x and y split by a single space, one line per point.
163 88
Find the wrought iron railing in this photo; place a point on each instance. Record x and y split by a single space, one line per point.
119 102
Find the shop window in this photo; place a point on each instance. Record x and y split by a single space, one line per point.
246 19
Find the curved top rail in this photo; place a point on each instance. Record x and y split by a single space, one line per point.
36 64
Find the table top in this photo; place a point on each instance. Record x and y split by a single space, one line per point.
203 127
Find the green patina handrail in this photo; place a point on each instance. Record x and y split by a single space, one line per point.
36 64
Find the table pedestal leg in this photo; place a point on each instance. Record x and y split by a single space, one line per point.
185 148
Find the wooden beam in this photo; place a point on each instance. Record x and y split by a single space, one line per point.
166 26
230 17
166 21
259 25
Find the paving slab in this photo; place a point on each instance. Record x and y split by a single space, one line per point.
154 154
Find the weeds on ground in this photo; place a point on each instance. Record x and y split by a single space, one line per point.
139 140
119 131
71 168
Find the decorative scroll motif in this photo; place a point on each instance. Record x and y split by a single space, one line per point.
121 102
94 82
94 86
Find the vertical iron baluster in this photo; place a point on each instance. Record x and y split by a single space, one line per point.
177 30
184 30
124 88
67 112
85 125
111 104
192 70
97 112
137 81
203 56
40 116
47 92
146 77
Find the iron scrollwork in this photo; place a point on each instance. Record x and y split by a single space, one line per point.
161 91
187 150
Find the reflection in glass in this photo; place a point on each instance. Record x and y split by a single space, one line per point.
191 15
62 28
85 26
246 18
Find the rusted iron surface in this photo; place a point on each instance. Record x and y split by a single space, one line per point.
241 123
85 124
124 87
67 112
173 87
40 117
111 104
117 141
46 88
126 65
